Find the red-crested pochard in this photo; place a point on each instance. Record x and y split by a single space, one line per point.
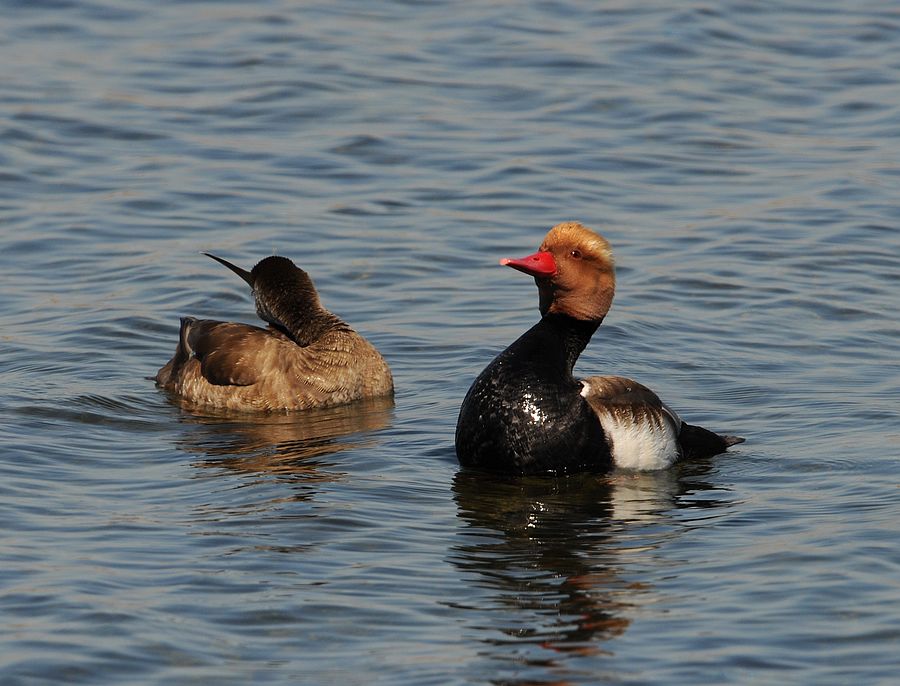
527 414
307 357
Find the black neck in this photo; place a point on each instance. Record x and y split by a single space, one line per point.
555 343
575 333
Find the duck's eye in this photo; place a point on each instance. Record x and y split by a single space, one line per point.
576 254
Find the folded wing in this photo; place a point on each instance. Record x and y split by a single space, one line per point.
642 431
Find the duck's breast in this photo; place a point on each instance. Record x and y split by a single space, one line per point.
513 421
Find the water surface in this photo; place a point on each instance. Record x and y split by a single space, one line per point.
743 160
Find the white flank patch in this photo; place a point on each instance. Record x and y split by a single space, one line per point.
640 445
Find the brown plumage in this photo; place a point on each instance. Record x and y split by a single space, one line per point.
307 357
628 400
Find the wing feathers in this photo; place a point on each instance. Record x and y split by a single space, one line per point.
240 366
617 391
641 430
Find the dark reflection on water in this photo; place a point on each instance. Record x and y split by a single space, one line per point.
545 556
537 547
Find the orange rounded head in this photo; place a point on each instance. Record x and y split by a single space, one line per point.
574 272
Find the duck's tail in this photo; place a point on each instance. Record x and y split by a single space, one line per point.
182 354
699 442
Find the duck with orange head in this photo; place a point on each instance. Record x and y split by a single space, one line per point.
526 413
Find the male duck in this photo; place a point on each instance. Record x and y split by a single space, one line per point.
527 414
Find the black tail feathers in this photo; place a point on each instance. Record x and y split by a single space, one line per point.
699 442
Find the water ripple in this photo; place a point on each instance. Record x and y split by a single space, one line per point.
741 158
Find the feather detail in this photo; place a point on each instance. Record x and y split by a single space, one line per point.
641 430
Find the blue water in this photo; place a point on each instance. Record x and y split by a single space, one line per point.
742 158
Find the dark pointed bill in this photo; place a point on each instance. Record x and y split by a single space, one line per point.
540 264
243 273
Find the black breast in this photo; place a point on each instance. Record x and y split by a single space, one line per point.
525 415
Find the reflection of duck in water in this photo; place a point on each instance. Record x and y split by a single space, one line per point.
527 414
550 563
547 574
306 358
285 444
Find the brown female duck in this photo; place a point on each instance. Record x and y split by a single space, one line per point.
307 357
526 413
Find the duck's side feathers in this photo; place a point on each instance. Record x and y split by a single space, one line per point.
640 439
231 354
243 367
619 390
641 430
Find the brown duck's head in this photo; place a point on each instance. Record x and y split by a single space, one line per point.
574 272
280 289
